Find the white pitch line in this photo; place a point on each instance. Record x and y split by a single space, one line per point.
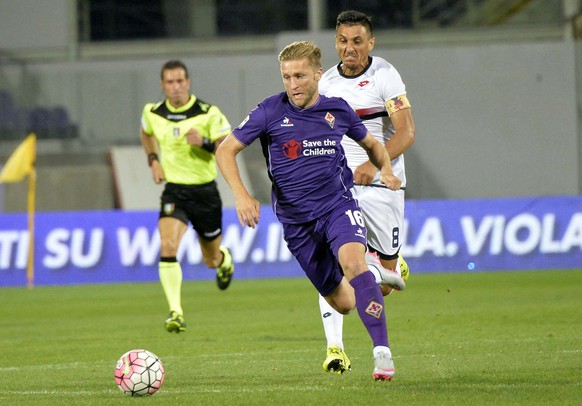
170 392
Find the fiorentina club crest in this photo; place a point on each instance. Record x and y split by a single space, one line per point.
374 309
330 119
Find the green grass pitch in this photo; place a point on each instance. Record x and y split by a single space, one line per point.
497 338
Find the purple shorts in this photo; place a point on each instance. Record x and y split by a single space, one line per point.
315 245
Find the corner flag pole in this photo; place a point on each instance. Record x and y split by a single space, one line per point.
31 210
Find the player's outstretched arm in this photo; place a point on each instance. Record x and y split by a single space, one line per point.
247 207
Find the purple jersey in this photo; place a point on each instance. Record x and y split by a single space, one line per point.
305 159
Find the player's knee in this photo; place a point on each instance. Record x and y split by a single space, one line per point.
352 267
169 247
344 304
345 309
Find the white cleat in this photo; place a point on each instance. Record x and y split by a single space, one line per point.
384 276
383 367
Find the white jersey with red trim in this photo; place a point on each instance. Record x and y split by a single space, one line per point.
371 94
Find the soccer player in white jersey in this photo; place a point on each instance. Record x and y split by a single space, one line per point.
374 89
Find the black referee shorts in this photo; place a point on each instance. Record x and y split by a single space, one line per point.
198 204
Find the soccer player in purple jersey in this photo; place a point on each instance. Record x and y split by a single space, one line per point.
301 132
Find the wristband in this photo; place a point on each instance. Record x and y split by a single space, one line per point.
152 157
207 145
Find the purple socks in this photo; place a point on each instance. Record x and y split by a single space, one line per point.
370 305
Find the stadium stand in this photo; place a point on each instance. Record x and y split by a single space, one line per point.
47 122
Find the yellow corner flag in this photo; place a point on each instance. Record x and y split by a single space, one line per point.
19 165
21 162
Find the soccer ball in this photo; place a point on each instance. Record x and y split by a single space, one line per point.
139 373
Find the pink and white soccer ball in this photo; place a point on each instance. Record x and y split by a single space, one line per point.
139 373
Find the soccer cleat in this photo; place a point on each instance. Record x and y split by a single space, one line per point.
384 276
225 270
404 269
337 361
383 367
175 322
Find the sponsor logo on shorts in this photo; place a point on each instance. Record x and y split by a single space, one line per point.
374 309
168 208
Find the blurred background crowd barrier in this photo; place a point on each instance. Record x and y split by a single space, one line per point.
541 233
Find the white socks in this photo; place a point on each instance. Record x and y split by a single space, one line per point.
381 349
332 323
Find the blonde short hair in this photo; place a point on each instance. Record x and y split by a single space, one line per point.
302 49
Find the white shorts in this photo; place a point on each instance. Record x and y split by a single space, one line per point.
383 211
